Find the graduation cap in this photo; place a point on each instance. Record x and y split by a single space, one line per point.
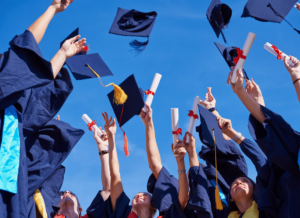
81 65
269 11
72 35
134 23
218 15
230 54
130 107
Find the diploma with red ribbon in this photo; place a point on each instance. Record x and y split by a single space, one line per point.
175 125
193 116
92 125
150 93
242 54
279 54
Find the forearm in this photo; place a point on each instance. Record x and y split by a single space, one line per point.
232 133
153 154
105 172
38 28
193 158
57 62
297 88
216 113
252 106
183 195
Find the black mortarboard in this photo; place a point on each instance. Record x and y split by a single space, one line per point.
209 126
134 23
269 10
229 54
78 66
218 15
134 103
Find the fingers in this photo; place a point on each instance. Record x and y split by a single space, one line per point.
229 77
206 96
286 63
58 117
72 40
95 134
114 122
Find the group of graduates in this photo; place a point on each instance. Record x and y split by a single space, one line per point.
34 146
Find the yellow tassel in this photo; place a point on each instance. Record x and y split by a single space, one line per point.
119 95
39 201
219 205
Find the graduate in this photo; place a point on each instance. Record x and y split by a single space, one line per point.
69 203
278 141
169 195
23 70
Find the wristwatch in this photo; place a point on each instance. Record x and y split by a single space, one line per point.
103 152
212 109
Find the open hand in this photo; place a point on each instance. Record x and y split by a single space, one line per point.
209 101
70 47
61 5
110 125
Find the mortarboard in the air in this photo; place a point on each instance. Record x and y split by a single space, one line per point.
230 55
130 107
73 34
269 10
134 23
81 65
218 15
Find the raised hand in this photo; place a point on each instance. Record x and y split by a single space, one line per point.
293 70
58 117
190 147
238 85
102 142
110 125
254 91
70 47
209 101
179 151
298 6
225 125
61 5
146 116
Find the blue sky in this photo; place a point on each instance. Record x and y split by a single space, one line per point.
182 49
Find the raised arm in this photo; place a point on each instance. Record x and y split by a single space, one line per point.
68 49
183 190
250 103
102 144
39 27
191 150
116 183
153 155
294 71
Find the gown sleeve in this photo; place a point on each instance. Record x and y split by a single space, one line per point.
22 67
164 190
122 208
277 140
47 149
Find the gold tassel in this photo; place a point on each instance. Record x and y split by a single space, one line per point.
219 205
39 201
120 96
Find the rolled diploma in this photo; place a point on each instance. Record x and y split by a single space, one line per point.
175 124
192 119
268 47
153 88
88 120
246 49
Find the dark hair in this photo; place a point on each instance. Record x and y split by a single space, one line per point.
232 205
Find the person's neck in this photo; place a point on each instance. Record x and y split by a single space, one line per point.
68 212
244 205
144 213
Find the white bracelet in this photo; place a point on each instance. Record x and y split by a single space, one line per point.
237 136
181 171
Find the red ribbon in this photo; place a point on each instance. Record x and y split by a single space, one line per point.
149 92
240 55
191 114
85 48
177 132
277 52
91 124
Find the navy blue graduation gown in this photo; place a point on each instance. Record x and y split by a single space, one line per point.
267 192
280 143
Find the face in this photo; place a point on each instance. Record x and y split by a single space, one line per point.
68 198
241 188
142 198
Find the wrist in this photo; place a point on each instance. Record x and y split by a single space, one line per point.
61 52
53 9
149 124
231 133
181 164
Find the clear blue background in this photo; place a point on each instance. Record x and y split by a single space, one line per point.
182 49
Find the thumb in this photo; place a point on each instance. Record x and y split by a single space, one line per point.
286 63
95 133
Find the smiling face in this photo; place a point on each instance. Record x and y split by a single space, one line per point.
241 188
141 201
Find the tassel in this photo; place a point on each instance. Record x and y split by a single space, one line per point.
223 36
120 96
137 46
219 205
124 134
39 201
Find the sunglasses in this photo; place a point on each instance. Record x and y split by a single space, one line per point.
63 192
